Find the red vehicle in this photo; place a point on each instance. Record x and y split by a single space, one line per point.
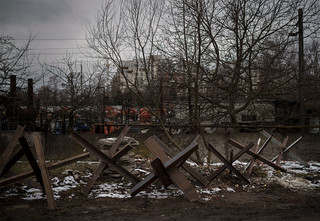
145 115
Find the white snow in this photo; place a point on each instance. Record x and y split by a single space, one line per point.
297 177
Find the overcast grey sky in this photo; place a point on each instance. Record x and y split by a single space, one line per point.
65 20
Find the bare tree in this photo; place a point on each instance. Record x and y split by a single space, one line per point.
77 86
14 60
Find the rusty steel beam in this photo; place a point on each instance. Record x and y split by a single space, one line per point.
184 165
118 141
161 172
33 163
240 146
50 166
10 147
104 158
176 175
173 162
227 164
235 157
250 165
103 166
44 173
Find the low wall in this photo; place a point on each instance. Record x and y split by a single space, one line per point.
58 147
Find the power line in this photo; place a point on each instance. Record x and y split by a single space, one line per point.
51 39
35 49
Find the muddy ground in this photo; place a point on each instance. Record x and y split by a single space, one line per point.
269 203
285 198
235 200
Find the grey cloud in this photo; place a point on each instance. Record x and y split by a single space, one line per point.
24 12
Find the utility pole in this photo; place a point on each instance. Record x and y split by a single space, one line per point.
302 111
301 70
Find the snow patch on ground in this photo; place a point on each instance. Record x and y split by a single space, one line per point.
297 177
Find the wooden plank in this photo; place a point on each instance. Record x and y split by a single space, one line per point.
33 163
168 165
104 158
21 176
240 146
185 165
226 162
118 141
44 172
176 175
8 151
161 172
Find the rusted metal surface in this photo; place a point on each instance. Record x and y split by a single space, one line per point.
184 165
285 149
103 157
117 143
176 175
264 160
178 178
253 159
10 147
103 166
22 176
227 164
44 173
14 159
33 163
161 172
235 157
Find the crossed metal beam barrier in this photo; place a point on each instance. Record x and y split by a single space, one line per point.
250 165
255 155
228 164
113 155
106 161
154 140
166 169
285 149
39 168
